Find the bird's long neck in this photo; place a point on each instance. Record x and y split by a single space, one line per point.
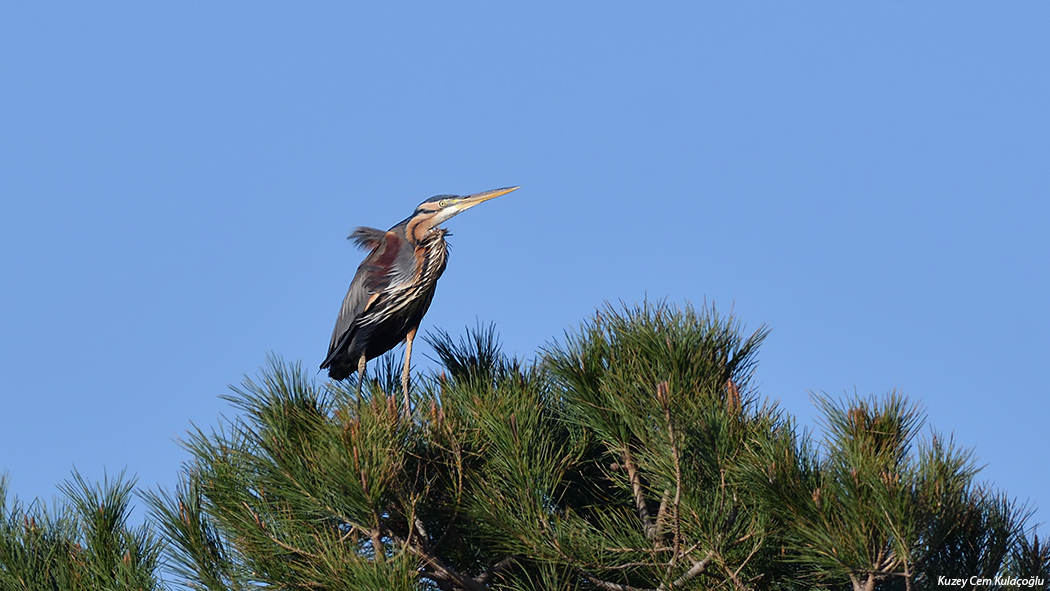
431 255
418 228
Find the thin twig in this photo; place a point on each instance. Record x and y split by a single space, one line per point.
661 513
458 455
265 531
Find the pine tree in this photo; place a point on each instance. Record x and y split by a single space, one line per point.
634 456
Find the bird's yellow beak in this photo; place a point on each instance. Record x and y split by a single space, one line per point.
469 201
456 205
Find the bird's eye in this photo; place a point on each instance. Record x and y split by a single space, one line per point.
443 203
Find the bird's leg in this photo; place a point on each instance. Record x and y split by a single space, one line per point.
405 371
361 374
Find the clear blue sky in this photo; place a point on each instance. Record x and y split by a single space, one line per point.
177 180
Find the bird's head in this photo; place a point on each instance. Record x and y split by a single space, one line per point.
432 212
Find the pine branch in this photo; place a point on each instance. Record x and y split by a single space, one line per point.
639 497
441 572
664 396
613 586
487 576
699 567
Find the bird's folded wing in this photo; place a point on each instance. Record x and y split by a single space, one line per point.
373 277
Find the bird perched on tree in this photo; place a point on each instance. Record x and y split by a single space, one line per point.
394 286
